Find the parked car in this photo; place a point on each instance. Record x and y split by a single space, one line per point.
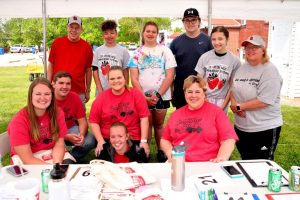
17 48
29 48
132 46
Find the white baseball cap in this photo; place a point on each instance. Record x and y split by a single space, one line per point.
74 19
255 40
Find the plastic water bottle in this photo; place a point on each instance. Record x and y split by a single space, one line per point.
58 186
178 167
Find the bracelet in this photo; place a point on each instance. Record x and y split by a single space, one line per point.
157 94
144 141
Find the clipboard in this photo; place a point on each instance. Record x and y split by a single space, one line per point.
257 172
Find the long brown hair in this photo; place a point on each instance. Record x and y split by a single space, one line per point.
150 23
51 110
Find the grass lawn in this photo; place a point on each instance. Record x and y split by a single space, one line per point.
13 96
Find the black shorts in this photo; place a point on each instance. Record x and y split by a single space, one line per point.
161 104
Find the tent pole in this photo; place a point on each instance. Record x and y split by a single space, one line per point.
209 16
44 38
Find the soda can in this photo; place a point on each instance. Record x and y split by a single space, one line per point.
274 180
294 178
45 179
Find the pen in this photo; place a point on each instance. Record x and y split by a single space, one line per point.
215 197
202 195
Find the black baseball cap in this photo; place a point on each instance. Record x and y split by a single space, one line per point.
191 12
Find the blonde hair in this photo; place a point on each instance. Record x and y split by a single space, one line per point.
51 110
194 79
265 58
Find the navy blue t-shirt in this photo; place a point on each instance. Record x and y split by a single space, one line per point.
187 51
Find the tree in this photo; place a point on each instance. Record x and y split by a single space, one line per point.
131 28
14 31
3 37
32 32
91 30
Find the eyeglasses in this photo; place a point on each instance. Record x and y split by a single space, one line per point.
252 47
191 21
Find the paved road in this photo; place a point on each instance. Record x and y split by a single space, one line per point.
18 59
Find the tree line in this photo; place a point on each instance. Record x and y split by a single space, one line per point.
30 31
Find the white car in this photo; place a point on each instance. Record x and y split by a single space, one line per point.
17 48
132 47
29 49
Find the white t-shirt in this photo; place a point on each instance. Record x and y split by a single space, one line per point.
152 64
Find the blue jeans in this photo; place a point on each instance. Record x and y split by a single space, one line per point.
82 98
78 152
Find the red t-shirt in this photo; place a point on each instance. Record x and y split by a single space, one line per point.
202 130
118 158
73 57
19 131
128 108
72 107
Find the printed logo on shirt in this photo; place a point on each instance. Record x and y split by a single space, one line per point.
217 76
190 125
68 116
105 61
122 109
251 81
105 67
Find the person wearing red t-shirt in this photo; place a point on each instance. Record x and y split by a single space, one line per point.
203 127
75 118
119 104
37 127
120 149
74 55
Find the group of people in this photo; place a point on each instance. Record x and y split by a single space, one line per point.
197 74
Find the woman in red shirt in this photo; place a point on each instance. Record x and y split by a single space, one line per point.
38 127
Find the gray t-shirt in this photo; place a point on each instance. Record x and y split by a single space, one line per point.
262 82
217 72
105 57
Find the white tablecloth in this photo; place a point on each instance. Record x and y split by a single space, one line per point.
162 172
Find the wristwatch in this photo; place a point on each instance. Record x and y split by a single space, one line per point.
158 95
144 141
238 107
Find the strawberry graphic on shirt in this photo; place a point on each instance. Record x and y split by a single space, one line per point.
212 80
105 67
221 83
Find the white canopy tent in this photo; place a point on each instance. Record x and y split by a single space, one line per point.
237 9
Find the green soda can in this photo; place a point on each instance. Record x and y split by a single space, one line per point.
274 180
294 178
45 179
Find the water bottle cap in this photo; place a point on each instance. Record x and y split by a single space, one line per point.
179 148
178 154
57 172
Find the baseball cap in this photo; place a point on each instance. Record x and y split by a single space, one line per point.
191 12
255 40
74 19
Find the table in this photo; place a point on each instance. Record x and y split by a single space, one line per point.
162 172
